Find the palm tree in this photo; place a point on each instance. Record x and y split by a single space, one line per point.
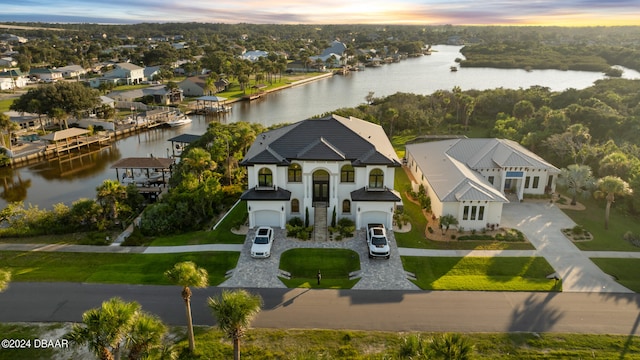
105 329
197 161
577 179
446 221
5 277
146 336
234 311
109 193
608 188
9 126
187 274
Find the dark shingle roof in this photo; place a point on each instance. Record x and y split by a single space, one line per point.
383 195
333 138
266 195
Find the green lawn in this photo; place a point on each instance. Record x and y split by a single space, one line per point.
334 265
221 235
416 237
592 219
4 105
111 268
262 344
625 271
481 274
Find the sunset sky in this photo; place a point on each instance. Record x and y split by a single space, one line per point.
409 12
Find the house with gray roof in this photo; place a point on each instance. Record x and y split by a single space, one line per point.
472 178
346 164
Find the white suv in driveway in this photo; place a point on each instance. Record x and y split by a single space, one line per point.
262 242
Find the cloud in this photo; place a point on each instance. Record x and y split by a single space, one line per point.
595 12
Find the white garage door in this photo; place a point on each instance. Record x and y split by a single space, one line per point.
373 217
267 218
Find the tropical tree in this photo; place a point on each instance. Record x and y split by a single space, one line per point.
577 179
105 329
109 194
145 338
5 277
608 188
9 126
234 311
446 221
198 161
187 274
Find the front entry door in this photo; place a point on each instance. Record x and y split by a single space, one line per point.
321 186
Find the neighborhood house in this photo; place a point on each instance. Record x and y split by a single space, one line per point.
472 178
318 165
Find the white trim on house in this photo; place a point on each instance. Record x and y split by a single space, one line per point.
472 178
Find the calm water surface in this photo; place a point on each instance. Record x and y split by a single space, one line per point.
66 180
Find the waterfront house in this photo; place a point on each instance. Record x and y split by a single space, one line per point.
472 178
197 86
318 165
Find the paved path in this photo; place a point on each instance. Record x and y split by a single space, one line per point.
540 222
379 274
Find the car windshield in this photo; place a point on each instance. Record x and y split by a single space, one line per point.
379 241
261 240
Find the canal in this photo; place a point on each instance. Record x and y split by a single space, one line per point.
68 179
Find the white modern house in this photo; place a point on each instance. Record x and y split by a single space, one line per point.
472 178
318 165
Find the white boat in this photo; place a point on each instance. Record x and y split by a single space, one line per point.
179 121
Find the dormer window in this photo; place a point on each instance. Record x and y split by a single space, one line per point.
376 179
265 178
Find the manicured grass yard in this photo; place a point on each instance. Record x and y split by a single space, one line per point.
334 265
625 271
111 268
592 219
481 274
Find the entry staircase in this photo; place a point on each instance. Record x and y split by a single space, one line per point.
320 221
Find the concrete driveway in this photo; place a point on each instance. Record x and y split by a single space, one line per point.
541 222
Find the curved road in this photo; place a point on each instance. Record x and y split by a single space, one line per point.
389 310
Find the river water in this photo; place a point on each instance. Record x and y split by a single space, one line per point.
66 180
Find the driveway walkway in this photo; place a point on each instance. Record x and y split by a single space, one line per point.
374 274
541 223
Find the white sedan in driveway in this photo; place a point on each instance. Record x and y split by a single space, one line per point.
261 246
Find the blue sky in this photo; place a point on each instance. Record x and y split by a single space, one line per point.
410 12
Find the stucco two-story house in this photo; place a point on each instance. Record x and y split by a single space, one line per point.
318 165
126 73
472 178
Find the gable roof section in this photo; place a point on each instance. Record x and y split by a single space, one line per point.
496 153
332 138
450 179
128 66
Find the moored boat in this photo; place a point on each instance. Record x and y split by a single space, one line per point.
179 121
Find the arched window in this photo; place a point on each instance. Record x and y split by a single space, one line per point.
295 173
265 178
295 206
347 174
376 179
346 206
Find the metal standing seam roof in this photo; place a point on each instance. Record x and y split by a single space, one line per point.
65 134
330 138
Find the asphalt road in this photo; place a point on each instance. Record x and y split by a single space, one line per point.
606 313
